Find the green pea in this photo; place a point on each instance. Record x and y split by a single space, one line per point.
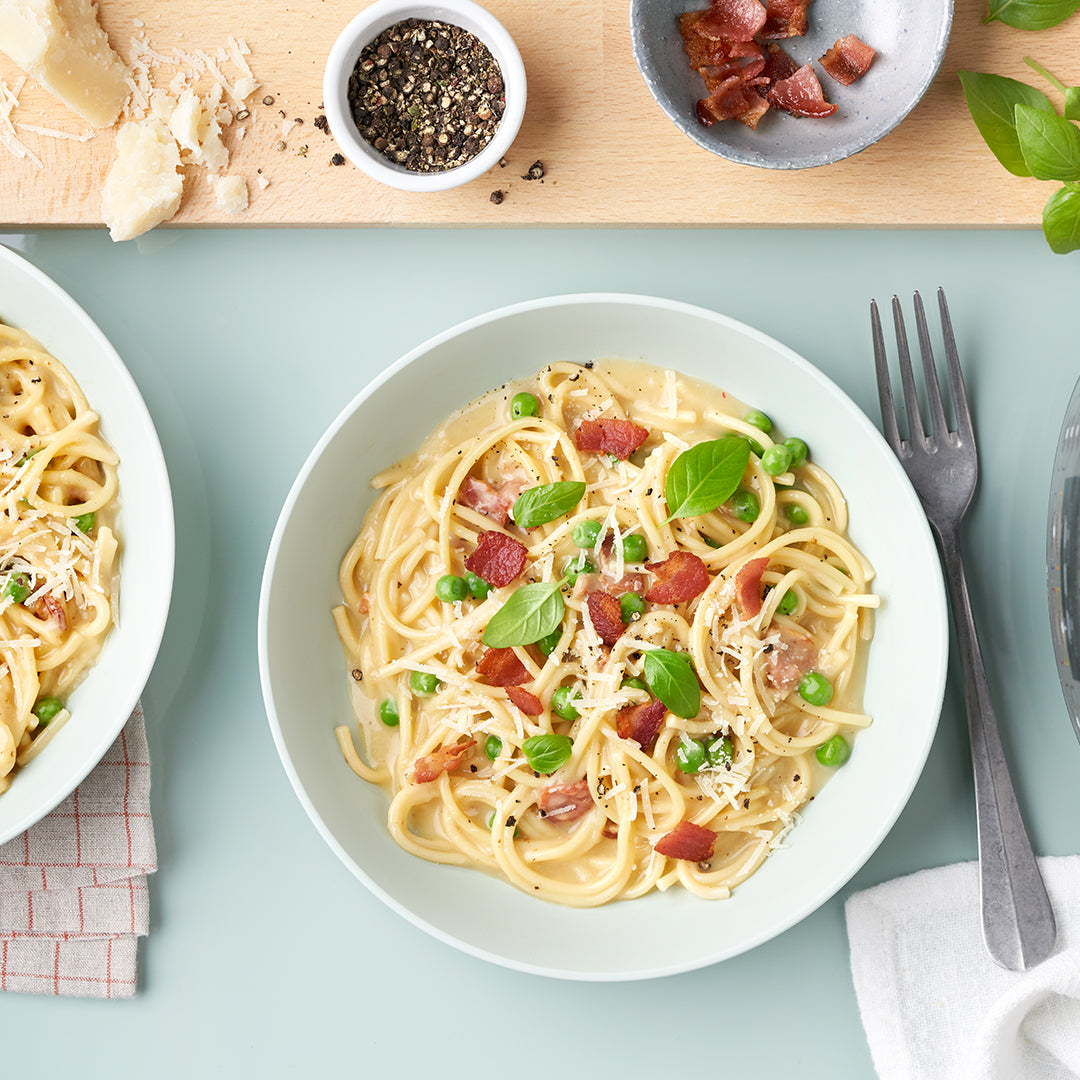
586 533
451 588
798 450
745 505
720 752
635 684
796 514
759 420
815 688
788 603
562 703
548 642
577 566
833 752
85 522
47 708
524 404
776 460
478 587
635 548
690 756
388 712
423 682
492 747
631 607
17 588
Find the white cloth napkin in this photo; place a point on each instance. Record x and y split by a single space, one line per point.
933 1003
73 895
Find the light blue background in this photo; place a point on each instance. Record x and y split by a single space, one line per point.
265 955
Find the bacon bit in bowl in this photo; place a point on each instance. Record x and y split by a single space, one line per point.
732 50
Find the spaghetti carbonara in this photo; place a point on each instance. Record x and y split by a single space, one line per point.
605 633
57 546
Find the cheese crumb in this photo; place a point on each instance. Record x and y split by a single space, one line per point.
144 185
60 44
231 193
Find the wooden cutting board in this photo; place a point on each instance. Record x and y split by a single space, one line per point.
609 153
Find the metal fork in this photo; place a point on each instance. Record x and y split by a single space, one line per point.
1018 922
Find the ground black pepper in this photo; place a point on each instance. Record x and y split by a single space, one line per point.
427 95
497 197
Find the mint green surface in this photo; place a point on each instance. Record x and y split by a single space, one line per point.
266 957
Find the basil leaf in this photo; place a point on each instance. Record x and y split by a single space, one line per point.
1072 102
1050 144
532 612
705 476
1031 14
671 677
1061 220
992 101
546 753
539 505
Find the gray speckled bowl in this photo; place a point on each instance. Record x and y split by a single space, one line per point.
910 38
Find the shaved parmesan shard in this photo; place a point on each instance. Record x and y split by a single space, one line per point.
144 185
231 193
60 44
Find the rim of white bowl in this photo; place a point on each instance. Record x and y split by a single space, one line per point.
369 24
810 903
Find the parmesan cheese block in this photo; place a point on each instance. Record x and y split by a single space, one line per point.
60 44
144 185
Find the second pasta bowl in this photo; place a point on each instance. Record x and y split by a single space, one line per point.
304 675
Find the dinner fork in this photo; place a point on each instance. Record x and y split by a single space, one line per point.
942 464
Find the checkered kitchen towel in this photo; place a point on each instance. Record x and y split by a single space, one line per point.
73 896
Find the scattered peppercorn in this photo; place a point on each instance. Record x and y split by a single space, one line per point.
322 124
243 114
536 171
268 100
497 197
427 95
337 159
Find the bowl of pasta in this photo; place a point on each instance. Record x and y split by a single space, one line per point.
86 544
607 644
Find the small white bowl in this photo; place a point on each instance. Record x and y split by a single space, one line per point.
363 29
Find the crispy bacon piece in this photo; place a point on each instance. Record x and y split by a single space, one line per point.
699 49
790 660
681 576
785 18
641 723
848 59
730 100
778 65
502 667
757 108
365 604
610 436
606 615
445 759
732 20
47 607
528 703
498 558
748 586
565 802
688 841
480 496
801 95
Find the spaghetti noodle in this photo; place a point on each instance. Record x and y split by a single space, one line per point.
58 485
602 630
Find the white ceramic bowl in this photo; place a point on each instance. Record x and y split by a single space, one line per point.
363 29
909 36
304 679
103 701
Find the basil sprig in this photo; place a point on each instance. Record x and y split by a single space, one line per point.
546 753
705 476
1029 138
539 505
1031 14
671 677
532 612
